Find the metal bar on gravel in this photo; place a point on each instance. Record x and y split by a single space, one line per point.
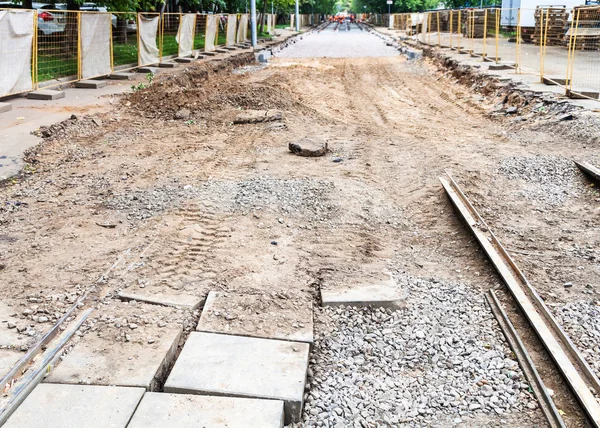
573 367
516 344
590 170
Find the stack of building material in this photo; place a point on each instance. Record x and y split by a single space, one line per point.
551 24
585 32
475 24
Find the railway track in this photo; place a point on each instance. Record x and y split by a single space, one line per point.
578 375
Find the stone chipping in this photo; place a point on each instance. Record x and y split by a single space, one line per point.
440 360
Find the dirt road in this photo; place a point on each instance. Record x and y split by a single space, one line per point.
194 204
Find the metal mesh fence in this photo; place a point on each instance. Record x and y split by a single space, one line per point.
200 31
169 24
57 47
124 40
583 41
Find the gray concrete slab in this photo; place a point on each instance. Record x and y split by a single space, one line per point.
99 361
46 95
76 406
376 293
167 65
91 84
230 48
220 50
146 70
159 410
500 67
256 315
8 358
209 53
184 60
182 301
223 365
4 107
121 76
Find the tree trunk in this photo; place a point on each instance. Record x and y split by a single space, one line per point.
262 20
121 33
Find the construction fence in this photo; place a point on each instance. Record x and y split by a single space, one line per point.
47 48
559 45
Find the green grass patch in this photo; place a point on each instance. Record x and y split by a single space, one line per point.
52 67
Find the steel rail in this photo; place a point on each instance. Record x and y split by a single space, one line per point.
590 170
48 359
531 374
577 373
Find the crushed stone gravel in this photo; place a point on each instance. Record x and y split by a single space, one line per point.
440 360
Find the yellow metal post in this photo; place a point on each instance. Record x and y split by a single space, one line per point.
571 58
79 71
483 52
138 37
498 14
543 44
518 43
458 33
112 60
451 28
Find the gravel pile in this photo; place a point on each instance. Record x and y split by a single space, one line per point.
553 177
581 320
143 204
440 360
294 197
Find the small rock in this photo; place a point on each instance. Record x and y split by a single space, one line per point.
133 326
11 325
183 114
568 284
308 148
42 319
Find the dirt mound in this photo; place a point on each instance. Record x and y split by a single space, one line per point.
206 88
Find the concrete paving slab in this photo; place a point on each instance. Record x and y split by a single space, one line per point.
376 293
8 358
46 95
5 107
150 295
91 84
146 70
223 365
167 65
139 362
76 406
260 315
159 410
581 93
184 60
121 76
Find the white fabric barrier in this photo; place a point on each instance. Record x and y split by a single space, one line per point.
292 26
268 22
211 32
95 44
147 30
273 23
16 41
185 34
231 25
242 33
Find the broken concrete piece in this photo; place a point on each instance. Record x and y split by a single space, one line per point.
183 114
4 107
158 410
176 300
75 406
308 148
257 116
234 366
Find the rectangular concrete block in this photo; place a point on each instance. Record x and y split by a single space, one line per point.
230 48
553 81
121 76
46 95
377 293
146 70
261 316
495 67
209 53
167 65
160 410
91 84
182 301
184 60
221 50
234 366
76 406
4 107
491 59
137 362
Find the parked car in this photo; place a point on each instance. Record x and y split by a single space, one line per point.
49 20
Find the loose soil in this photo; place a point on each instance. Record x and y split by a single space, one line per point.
202 204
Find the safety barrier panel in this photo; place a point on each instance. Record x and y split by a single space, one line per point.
559 45
53 47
